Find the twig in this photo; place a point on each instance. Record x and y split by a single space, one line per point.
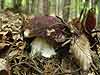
35 64
94 44
66 42
55 71
28 65
69 72
61 20
95 31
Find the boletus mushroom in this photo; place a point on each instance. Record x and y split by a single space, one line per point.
48 32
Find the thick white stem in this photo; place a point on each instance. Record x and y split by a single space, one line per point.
41 47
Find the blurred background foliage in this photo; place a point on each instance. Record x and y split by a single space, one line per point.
67 9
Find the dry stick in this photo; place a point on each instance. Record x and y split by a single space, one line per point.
60 68
35 64
92 69
70 72
64 72
55 71
94 45
95 31
61 20
28 65
66 42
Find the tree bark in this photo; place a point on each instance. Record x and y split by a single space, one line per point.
52 5
66 11
2 4
32 6
40 7
46 7
98 22
17 5
27 6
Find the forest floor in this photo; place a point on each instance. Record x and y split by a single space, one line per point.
14 59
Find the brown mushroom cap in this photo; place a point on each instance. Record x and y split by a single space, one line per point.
47 27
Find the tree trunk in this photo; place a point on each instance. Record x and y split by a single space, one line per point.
2 4
46 7
60 8
27 6
36 6
17 5
52 7
32 6
40 7
57 3
66 11
98 22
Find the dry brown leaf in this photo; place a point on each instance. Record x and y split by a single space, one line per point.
2 45
3 67
81 49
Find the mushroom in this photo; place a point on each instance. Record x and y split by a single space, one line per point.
46 28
